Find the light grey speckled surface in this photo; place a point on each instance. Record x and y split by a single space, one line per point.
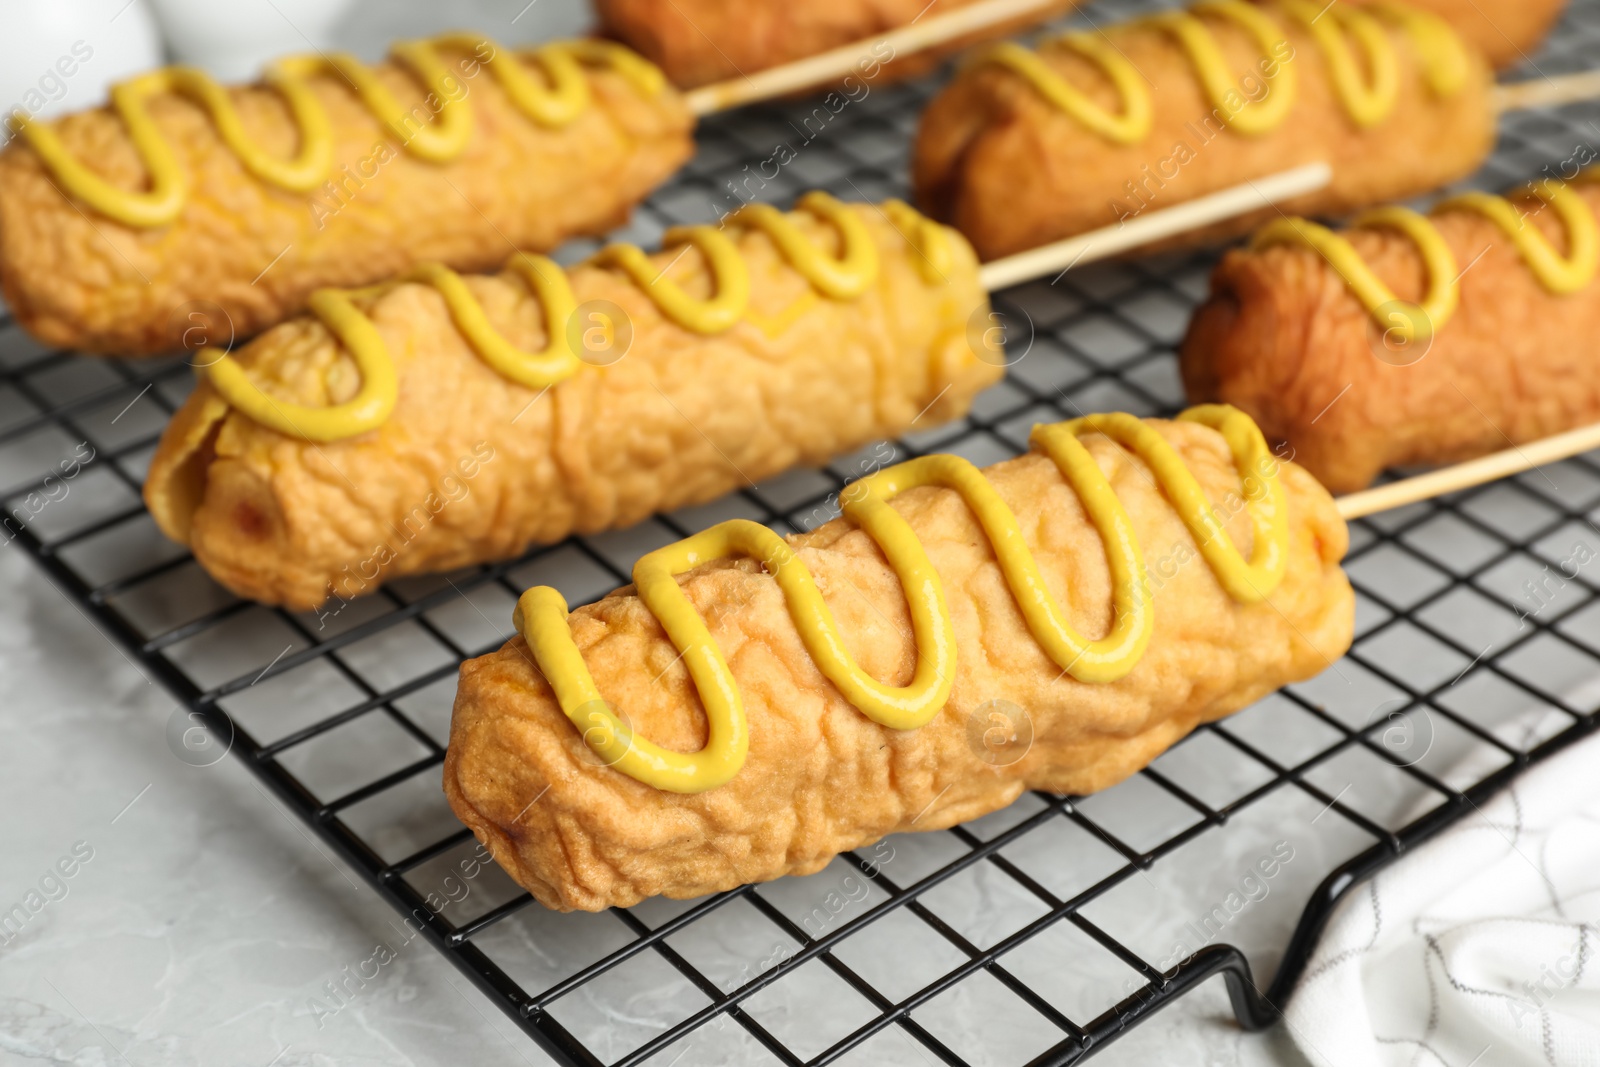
207 922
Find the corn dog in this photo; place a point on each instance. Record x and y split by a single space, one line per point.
1406 339
443 420
1027 147
794 751
697 42
330 173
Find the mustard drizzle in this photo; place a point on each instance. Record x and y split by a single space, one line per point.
541 612
554 97
845 276
1367 98
931 242
1557 273
1212 69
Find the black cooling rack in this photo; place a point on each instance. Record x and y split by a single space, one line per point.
1036 935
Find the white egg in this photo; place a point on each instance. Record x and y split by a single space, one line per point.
63 55
232 41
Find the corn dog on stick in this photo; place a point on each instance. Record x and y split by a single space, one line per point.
447 420
887 671
188 205
1409 339
1028 147
698 42
188 209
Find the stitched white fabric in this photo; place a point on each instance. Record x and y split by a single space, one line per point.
1481 948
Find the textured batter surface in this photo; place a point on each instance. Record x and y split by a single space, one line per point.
1012 171
702 41
821 778
75 278
1283 338
472 467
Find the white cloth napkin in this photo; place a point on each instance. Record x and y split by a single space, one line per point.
1482 948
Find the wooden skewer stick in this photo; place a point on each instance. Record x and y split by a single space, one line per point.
923 34
835 64
1148 228
1547 92
1514 460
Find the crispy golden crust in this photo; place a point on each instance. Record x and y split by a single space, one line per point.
472 467
821 778
1283 338
698 42
76 278
1012 171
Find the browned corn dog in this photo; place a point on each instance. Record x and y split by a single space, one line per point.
702 41
1012 170
697 42
1284 338
471 466
75 277
821 778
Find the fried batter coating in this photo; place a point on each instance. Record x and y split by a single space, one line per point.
698 42
820 777
472 467
75 278
1011 170
1283 338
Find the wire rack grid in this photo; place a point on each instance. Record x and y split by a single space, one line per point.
1036 935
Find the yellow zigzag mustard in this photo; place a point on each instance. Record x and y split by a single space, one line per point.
554 97
1408 322
541 613
1367 85
845 277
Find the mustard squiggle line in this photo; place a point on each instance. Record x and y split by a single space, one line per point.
846 277
1211 67
556 99
1367 98
843 277
931 242
541 613
1407 322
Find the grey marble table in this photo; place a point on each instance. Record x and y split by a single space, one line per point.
206 921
